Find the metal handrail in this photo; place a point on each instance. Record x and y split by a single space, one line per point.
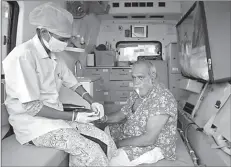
189 148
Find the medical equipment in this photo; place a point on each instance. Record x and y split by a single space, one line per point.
91 60
105 58
203 38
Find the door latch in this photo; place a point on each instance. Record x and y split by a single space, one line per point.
6 40
218 104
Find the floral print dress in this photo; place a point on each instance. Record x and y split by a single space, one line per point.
82 151
157 102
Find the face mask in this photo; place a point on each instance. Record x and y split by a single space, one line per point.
55 45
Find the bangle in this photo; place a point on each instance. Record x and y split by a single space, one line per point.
73 115
106 118
84 94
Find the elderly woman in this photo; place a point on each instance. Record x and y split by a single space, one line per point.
145 128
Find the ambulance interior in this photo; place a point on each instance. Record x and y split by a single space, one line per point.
188 42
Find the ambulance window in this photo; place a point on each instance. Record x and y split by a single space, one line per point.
10 11
134 50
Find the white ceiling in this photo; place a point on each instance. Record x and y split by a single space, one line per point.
185 5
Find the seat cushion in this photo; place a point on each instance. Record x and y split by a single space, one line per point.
183 157
15 154
5 130
5 126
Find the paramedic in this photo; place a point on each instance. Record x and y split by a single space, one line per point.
147 124
34 75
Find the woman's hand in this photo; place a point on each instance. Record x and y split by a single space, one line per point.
98 109
84 117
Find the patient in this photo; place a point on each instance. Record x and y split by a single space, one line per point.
147 121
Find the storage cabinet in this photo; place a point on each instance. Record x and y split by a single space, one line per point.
98 90
99 72
106 95
120 74
173 58
93 85
174 72
117 85
119 95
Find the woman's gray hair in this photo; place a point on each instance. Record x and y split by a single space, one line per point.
152 69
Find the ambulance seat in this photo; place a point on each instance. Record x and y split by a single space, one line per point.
15 154
182 155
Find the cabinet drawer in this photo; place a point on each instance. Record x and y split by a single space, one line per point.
98 90
119 95
120 74
103 73
106 96
118 85
98 96
106 85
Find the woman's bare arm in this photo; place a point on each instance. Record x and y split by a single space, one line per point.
154 126
52 113
115 117
86 96
37 108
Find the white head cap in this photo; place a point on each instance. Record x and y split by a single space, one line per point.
53 18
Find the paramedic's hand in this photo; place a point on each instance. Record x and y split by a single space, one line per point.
98 109
85 117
